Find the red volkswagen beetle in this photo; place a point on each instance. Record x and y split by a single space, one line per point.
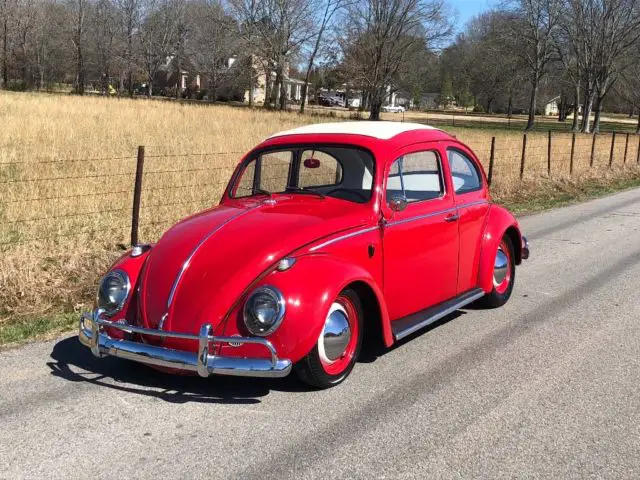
324 233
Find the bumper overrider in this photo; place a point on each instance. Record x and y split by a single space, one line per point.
525 248
91 334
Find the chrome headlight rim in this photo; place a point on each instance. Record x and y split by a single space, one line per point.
124 277
249 316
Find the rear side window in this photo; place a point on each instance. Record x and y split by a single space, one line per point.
464 172
416 176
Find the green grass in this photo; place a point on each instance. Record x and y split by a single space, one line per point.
16 332
568 194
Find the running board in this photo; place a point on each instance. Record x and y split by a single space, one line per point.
412 323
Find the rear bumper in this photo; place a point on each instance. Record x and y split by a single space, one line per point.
525 248
91 334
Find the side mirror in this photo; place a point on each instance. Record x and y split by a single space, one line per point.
397 203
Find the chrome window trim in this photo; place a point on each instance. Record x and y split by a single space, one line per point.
474 162
187 262
443 182
343 237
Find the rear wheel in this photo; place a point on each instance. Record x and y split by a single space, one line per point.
504 275
335 353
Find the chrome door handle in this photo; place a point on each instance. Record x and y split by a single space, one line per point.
454 217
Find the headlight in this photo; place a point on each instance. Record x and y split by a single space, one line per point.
113 292
264 311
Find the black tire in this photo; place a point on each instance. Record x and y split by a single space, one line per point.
311 370
496 298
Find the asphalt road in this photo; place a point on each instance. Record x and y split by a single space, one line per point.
546 387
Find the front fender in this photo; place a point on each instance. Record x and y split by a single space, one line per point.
309 288
499 222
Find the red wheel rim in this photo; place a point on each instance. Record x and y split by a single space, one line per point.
502 286
336 367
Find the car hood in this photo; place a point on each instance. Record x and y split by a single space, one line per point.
201 266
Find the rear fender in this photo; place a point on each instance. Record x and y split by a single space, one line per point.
499 222
309 288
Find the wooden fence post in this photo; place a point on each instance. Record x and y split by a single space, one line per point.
549 155
524 153
626 149
137 193
573 149
613 144
491 159
638 160
593 149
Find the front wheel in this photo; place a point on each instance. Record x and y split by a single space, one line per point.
504 275
335 353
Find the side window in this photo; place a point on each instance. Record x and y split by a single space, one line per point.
464 172
319 169
416 176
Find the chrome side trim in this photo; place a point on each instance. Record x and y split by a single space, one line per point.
438 315
471 204
421 217
439 212
187 262
343 237
201 362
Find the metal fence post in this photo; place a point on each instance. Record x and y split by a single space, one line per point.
524 152
613 144
491 159
137 192
593 149
549 155
626 149
573 149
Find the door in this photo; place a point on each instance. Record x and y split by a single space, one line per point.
420 233
471 199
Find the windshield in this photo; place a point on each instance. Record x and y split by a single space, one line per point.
339 172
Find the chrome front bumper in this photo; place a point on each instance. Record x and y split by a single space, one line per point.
101 344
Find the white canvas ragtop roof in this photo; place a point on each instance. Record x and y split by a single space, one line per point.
380 130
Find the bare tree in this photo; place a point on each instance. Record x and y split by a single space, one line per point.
274 31
534 38
157 38
380 37
328 9
7 10
214 47
130 12
104 32
77 11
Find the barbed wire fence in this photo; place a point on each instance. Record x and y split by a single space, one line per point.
126 199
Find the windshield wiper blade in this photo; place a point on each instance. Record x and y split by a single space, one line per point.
263 192
307 192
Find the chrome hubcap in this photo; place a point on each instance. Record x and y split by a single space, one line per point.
335 335
500 268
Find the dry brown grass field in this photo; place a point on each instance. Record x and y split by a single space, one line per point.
67 171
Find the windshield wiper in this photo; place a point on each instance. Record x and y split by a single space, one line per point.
263 192
303 191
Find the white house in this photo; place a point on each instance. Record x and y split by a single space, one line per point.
552 108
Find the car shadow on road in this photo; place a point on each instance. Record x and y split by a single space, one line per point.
74 362
374 348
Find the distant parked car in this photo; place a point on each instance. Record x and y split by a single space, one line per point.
324 234
393 109
328 100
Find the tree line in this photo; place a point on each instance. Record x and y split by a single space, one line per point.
506 59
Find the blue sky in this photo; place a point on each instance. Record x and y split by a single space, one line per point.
466 9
